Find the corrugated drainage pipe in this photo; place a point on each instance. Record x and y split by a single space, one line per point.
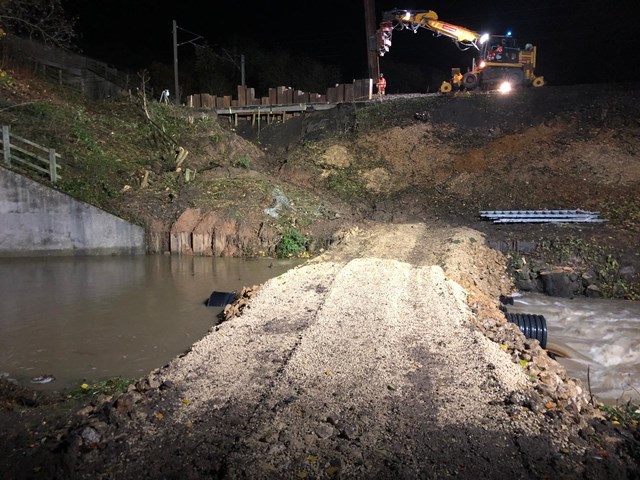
532 326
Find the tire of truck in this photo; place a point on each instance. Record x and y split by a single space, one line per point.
445 87
538 82
470 81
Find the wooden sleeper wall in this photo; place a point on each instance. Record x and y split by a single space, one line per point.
246 96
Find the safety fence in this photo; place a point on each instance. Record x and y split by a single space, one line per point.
92 78
21 151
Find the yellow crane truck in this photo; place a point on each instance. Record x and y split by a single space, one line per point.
500 64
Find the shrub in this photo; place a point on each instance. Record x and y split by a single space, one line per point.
291 243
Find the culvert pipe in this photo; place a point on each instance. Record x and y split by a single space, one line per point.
221 299
532 326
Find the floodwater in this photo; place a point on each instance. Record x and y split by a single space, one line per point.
599 340
91 318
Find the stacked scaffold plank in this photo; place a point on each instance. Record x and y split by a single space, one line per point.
542 216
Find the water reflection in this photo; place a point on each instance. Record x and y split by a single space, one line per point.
600 335
96 317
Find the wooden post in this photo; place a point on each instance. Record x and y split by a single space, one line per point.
6 145
349 92
251 96
53 174
242 96
332 95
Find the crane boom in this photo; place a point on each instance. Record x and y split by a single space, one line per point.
428 19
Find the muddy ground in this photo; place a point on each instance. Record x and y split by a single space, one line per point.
384 358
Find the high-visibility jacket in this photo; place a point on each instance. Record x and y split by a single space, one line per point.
382 84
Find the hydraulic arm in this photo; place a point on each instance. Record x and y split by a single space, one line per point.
428 19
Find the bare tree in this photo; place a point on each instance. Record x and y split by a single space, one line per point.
42 20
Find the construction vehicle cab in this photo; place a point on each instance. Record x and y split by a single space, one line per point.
501 60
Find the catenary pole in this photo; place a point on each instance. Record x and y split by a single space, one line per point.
242 80
176 94
370 24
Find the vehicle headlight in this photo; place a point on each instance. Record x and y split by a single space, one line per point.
505 87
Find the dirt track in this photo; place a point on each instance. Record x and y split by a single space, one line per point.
356 365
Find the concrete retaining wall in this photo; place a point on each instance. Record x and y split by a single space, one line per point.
38 220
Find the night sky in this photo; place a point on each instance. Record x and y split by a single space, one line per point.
578 41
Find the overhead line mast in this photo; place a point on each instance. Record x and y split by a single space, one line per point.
370 24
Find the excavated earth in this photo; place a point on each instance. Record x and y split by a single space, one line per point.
413 157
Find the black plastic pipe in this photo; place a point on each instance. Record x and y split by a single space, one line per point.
532 326
220 299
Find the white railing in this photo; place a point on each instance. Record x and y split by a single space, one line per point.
29 154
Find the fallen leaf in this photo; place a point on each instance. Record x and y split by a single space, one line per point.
327 373
332 470
159 415
84 386
523 363
301 474
549 405
186 401
603 453
312 459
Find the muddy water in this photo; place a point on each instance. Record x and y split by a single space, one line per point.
601 336
91 318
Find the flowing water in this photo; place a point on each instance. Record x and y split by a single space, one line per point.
90 318
598 340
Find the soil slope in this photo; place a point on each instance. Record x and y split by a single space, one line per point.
555 148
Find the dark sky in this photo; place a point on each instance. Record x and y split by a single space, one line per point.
578 41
